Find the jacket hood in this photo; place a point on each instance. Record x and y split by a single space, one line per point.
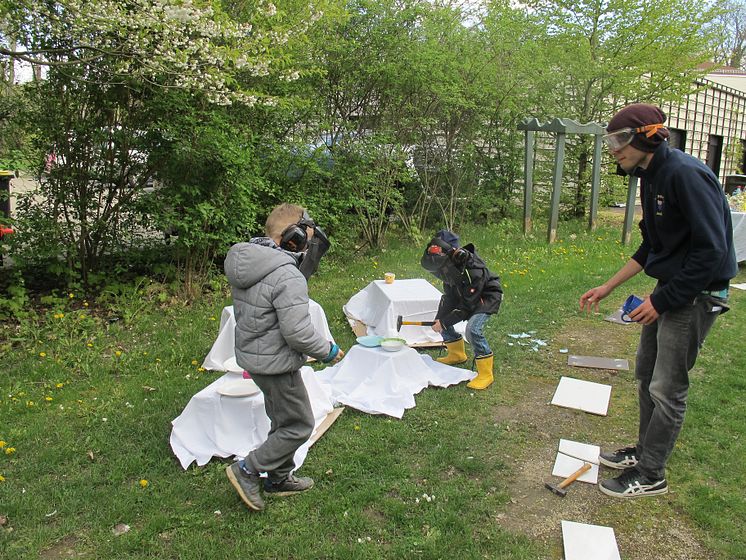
248 263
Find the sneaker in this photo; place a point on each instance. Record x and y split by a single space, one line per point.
632 484
624 458
291 485
248 485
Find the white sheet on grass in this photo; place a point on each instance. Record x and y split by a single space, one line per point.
215 425
375 381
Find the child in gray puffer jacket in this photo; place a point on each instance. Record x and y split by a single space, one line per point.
274 334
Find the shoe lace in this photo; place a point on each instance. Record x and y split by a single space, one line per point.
629 476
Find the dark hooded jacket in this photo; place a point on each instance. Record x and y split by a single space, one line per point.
687 235
468 285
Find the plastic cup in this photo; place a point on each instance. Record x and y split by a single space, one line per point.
629 306
389 277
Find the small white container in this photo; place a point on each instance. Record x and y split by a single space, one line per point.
393 344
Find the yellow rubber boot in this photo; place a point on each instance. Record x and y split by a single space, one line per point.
456 353
484 376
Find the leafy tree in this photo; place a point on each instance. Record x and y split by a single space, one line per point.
601 54
124 80
729 33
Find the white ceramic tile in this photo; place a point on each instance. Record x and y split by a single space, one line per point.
589 542
583 451
564 466
582 395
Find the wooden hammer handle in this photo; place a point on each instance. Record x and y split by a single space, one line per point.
570 479
420 323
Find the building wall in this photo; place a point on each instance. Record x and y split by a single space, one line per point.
712 122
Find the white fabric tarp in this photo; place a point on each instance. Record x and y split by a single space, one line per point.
379 304
222 355
216 425
375 381
739 234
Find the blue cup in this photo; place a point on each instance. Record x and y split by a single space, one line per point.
629 306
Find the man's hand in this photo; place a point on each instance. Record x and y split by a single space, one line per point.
437 327
644 313
589 300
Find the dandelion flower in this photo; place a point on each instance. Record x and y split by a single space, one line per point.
2 444
71 295
60 385
48 399
42 354
85 304
118 353
143 483
90 345
10 450
194 362
2 478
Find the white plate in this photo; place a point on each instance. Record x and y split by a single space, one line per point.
238 388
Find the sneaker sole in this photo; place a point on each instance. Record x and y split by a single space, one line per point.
604 490
234 482
618 466
286 492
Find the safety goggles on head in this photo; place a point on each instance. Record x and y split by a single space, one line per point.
623 137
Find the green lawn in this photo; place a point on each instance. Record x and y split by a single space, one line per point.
86 406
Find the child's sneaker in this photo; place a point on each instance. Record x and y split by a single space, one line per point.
624 458
291 485
632 484
247 484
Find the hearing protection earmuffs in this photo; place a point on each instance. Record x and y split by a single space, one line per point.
456 254
295 237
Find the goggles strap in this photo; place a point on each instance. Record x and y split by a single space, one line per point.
650 129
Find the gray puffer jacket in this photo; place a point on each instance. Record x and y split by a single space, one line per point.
270 301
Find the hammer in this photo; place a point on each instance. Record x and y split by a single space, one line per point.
399 323
559 489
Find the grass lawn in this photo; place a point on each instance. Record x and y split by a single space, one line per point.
86 405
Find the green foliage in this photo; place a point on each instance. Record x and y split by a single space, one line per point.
96 398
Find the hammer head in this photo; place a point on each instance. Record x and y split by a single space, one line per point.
398 323
561 492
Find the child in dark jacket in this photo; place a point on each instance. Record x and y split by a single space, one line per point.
471 293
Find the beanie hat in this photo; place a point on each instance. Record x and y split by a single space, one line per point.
637 115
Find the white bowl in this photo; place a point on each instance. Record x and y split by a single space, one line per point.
393 344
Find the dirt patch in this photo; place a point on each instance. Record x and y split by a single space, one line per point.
62 549
649 528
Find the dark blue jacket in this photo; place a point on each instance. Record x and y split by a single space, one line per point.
687 236
469 287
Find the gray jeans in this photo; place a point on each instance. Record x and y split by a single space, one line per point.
667 352
289 410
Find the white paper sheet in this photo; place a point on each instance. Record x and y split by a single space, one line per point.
222 355
582 395
212 425
379 304
589 542
741 286
379 382
571 455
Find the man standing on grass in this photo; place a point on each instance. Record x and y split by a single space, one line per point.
687 246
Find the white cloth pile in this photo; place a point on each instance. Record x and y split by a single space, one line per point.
378 306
